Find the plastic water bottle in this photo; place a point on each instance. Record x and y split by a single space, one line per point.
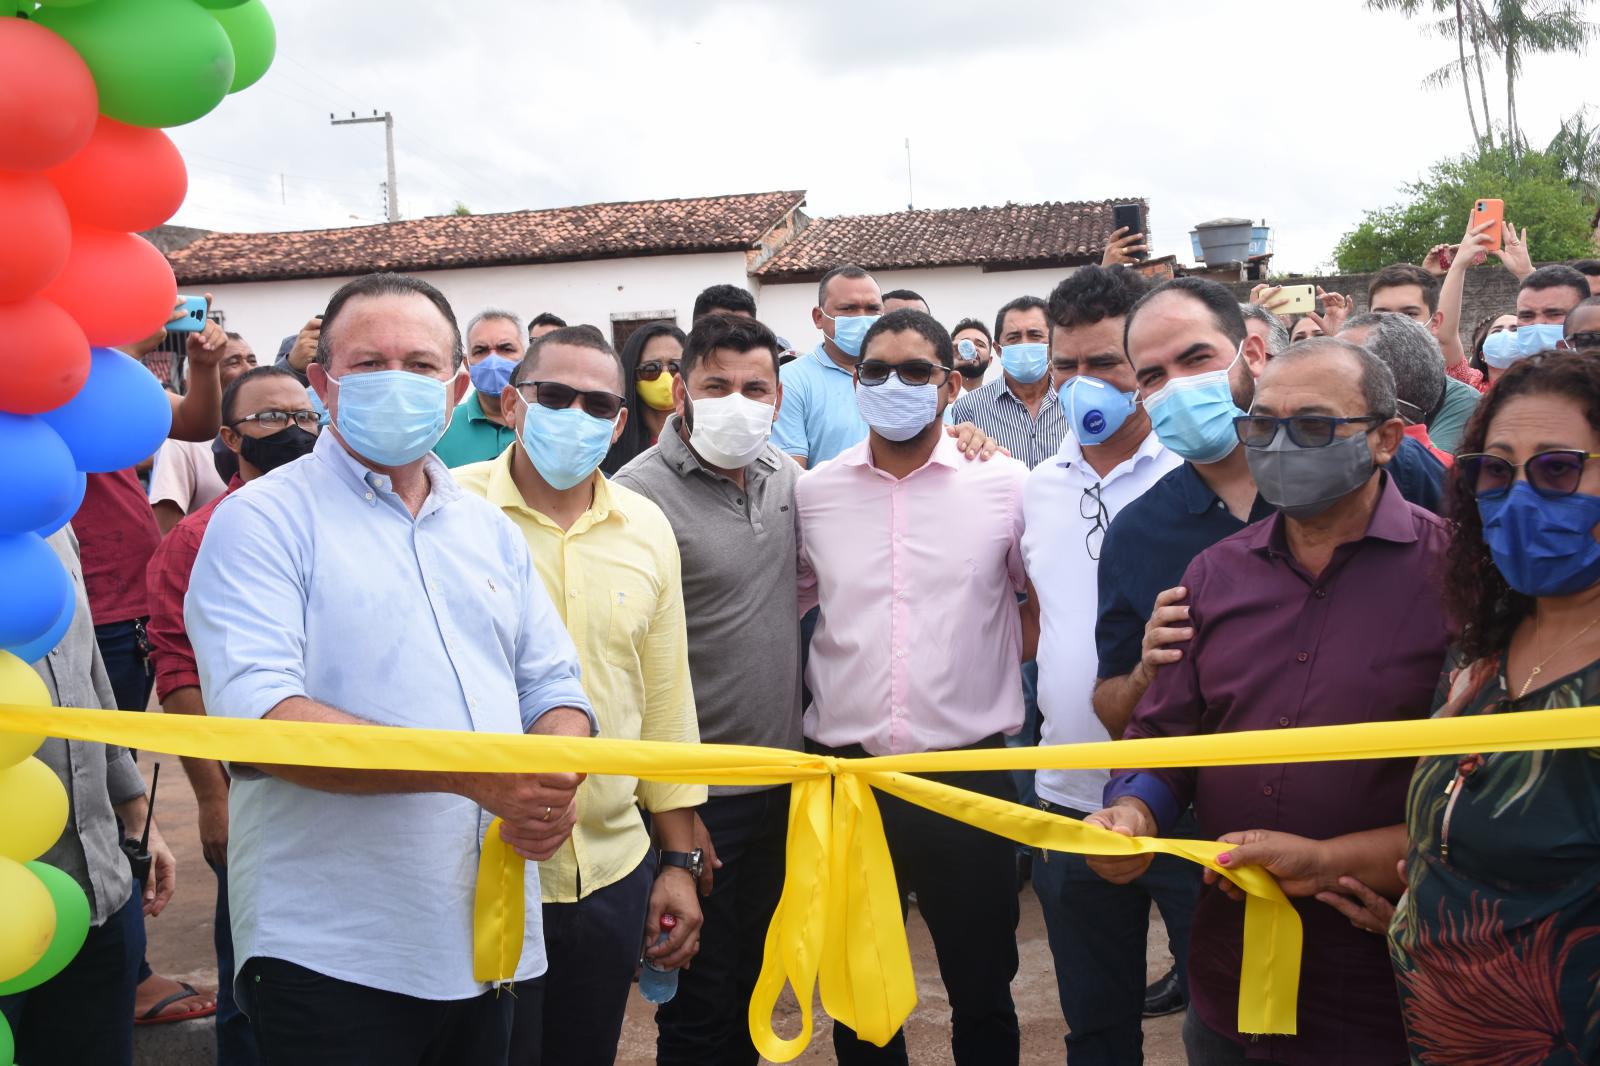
657 985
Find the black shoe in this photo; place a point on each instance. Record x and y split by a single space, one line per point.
1164 997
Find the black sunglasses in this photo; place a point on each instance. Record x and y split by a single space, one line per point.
1306 431
1582 342
559 397
652 370
875 372
1553 473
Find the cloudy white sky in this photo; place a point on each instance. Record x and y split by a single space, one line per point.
1300 113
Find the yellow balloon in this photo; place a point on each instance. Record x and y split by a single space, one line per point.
27 922
19 684
35 803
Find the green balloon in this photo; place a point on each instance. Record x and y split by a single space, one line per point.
216 5
155 62
8 1046
72 926
249 29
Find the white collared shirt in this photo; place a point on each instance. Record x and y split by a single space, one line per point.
1057 496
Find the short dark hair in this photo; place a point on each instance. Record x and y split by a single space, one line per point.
1377 380
843 270
1588 267
387 285
1021 303
1093 294
1590 301
1557 276
906 294
910 320
230 395
232 336
545 318
1215 298
573 336
972 323
722 298
734 332
1397 274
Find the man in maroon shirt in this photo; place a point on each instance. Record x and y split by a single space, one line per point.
267 419
1326 613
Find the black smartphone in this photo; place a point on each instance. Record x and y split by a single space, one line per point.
1131 218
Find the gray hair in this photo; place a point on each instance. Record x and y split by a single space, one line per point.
492 314
1377 382
1277 332
1412 355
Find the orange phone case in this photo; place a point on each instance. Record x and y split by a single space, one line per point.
1485 211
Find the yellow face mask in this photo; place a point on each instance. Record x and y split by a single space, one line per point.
657 393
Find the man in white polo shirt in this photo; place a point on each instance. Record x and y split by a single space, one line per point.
1108 459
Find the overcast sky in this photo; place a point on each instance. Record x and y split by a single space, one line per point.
1300 113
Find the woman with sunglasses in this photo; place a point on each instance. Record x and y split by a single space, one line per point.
1496 943
650 361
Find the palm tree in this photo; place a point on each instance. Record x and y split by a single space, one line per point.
1516 29
1576 150
1447 73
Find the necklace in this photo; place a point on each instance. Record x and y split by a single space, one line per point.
1539 669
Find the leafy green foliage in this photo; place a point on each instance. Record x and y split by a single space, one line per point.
1538 195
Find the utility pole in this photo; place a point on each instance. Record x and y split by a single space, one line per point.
391 198
909 197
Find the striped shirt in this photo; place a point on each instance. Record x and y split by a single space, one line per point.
996 411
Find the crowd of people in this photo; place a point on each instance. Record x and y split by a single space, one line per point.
1122 510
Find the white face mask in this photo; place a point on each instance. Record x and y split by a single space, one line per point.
730 431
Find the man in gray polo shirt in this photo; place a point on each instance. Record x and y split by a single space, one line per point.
729 495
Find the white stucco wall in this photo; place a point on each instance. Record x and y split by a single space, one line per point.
953 293
265 312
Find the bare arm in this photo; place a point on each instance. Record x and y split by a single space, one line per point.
205 775
1115 698
168 514
1306 867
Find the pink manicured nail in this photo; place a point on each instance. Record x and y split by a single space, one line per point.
1225 858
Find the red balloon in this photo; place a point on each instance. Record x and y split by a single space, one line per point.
126 178
48 102
44 358
117 285
35 234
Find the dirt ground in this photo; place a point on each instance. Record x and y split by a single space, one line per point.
180 946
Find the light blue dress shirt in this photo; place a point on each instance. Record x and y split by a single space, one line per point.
818 419
316 581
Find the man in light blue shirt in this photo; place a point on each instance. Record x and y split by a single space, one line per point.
360 585
818 418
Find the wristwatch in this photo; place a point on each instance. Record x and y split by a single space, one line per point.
693 861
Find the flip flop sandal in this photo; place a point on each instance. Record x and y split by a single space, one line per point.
153 1016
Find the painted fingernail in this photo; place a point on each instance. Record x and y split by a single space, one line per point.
1225 858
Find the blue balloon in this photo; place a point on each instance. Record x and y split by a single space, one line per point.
35 650
119 417
80 486
37 589
37 477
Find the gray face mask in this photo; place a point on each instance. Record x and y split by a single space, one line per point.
1304 482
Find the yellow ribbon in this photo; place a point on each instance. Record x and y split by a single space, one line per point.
838 921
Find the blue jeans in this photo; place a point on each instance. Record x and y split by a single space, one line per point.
84 1014
1098 932
126 654
236 1041
1027 736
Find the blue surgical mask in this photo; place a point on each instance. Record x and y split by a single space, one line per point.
1096 408
1194 416
1543 545
1537 337
391 417
895 410
1025 363
849 331
1500 349
565 446
492 374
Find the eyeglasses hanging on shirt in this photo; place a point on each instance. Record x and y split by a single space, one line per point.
1091 506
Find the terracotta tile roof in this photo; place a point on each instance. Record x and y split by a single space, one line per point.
592 231
1016 235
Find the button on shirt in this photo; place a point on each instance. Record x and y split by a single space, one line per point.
97 777
317 581
1275 647
1060 548
471 437
996 410
919 640
614 580
818 419
736 545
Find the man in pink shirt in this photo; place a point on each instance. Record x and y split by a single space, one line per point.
915 558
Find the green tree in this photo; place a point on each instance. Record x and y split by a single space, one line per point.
1576 151
1538 194
1457 26
1517 29
460 210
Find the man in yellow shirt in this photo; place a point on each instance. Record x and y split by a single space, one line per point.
608 557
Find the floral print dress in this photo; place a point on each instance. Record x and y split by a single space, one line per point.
1496 943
